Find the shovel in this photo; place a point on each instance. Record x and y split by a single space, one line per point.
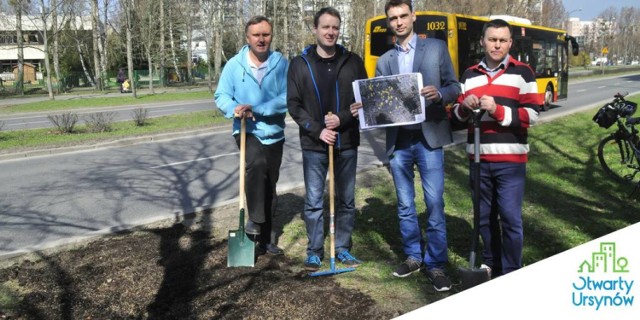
241 252
332 228
473 276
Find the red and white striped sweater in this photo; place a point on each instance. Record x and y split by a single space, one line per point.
504 134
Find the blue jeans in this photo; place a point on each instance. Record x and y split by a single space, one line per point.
501 194
315 166
413 149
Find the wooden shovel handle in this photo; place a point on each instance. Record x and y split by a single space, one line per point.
243 151
332 228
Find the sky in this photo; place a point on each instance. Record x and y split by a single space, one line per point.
592 8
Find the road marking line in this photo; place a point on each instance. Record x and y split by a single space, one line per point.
26 123
199 159
165 110
600 87
582 90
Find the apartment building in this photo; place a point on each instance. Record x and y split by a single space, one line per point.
33 45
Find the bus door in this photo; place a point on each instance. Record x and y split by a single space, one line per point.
563 76
470 51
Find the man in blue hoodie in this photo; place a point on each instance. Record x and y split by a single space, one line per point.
253 85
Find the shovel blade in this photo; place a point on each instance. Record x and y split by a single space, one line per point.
472 277
241 251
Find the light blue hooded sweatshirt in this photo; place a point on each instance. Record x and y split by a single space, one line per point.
268 100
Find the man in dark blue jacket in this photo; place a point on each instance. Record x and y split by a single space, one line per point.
319 83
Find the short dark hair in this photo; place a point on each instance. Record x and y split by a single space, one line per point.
496 23
256 20
326 10
397 3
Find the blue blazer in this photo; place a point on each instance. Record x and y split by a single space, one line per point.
432 60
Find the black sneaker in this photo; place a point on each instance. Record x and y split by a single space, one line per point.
269 248
408 267
274 250
312 263
347 259
439 280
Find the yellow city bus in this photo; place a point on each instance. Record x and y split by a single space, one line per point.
544 49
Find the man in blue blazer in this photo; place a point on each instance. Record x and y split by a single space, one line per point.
420 144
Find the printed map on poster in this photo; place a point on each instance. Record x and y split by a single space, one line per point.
390 100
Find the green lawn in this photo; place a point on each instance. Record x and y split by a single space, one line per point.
569 201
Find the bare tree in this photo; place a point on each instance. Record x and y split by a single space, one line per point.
187 12
147 10
627 30
19 7
56 43
102 39
96 36
553 14
44 17
81 53
162 56
127 6
174 59
212 14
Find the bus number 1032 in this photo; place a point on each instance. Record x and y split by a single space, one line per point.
435 25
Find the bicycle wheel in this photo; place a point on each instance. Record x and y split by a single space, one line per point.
618 159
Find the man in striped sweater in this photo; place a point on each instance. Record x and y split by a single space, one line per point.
505 92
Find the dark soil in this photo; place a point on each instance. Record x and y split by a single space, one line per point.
174 272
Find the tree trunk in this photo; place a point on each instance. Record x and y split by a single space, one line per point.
239 26
81 57
210 10
162 46
20 80
173 48
95 32
150 62
189 59
285 27
217 43
275 40
56 44
45 38
149 41
130 48
102 51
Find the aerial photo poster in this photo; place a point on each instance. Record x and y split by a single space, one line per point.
390 100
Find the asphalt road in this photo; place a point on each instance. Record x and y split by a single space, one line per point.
46 201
